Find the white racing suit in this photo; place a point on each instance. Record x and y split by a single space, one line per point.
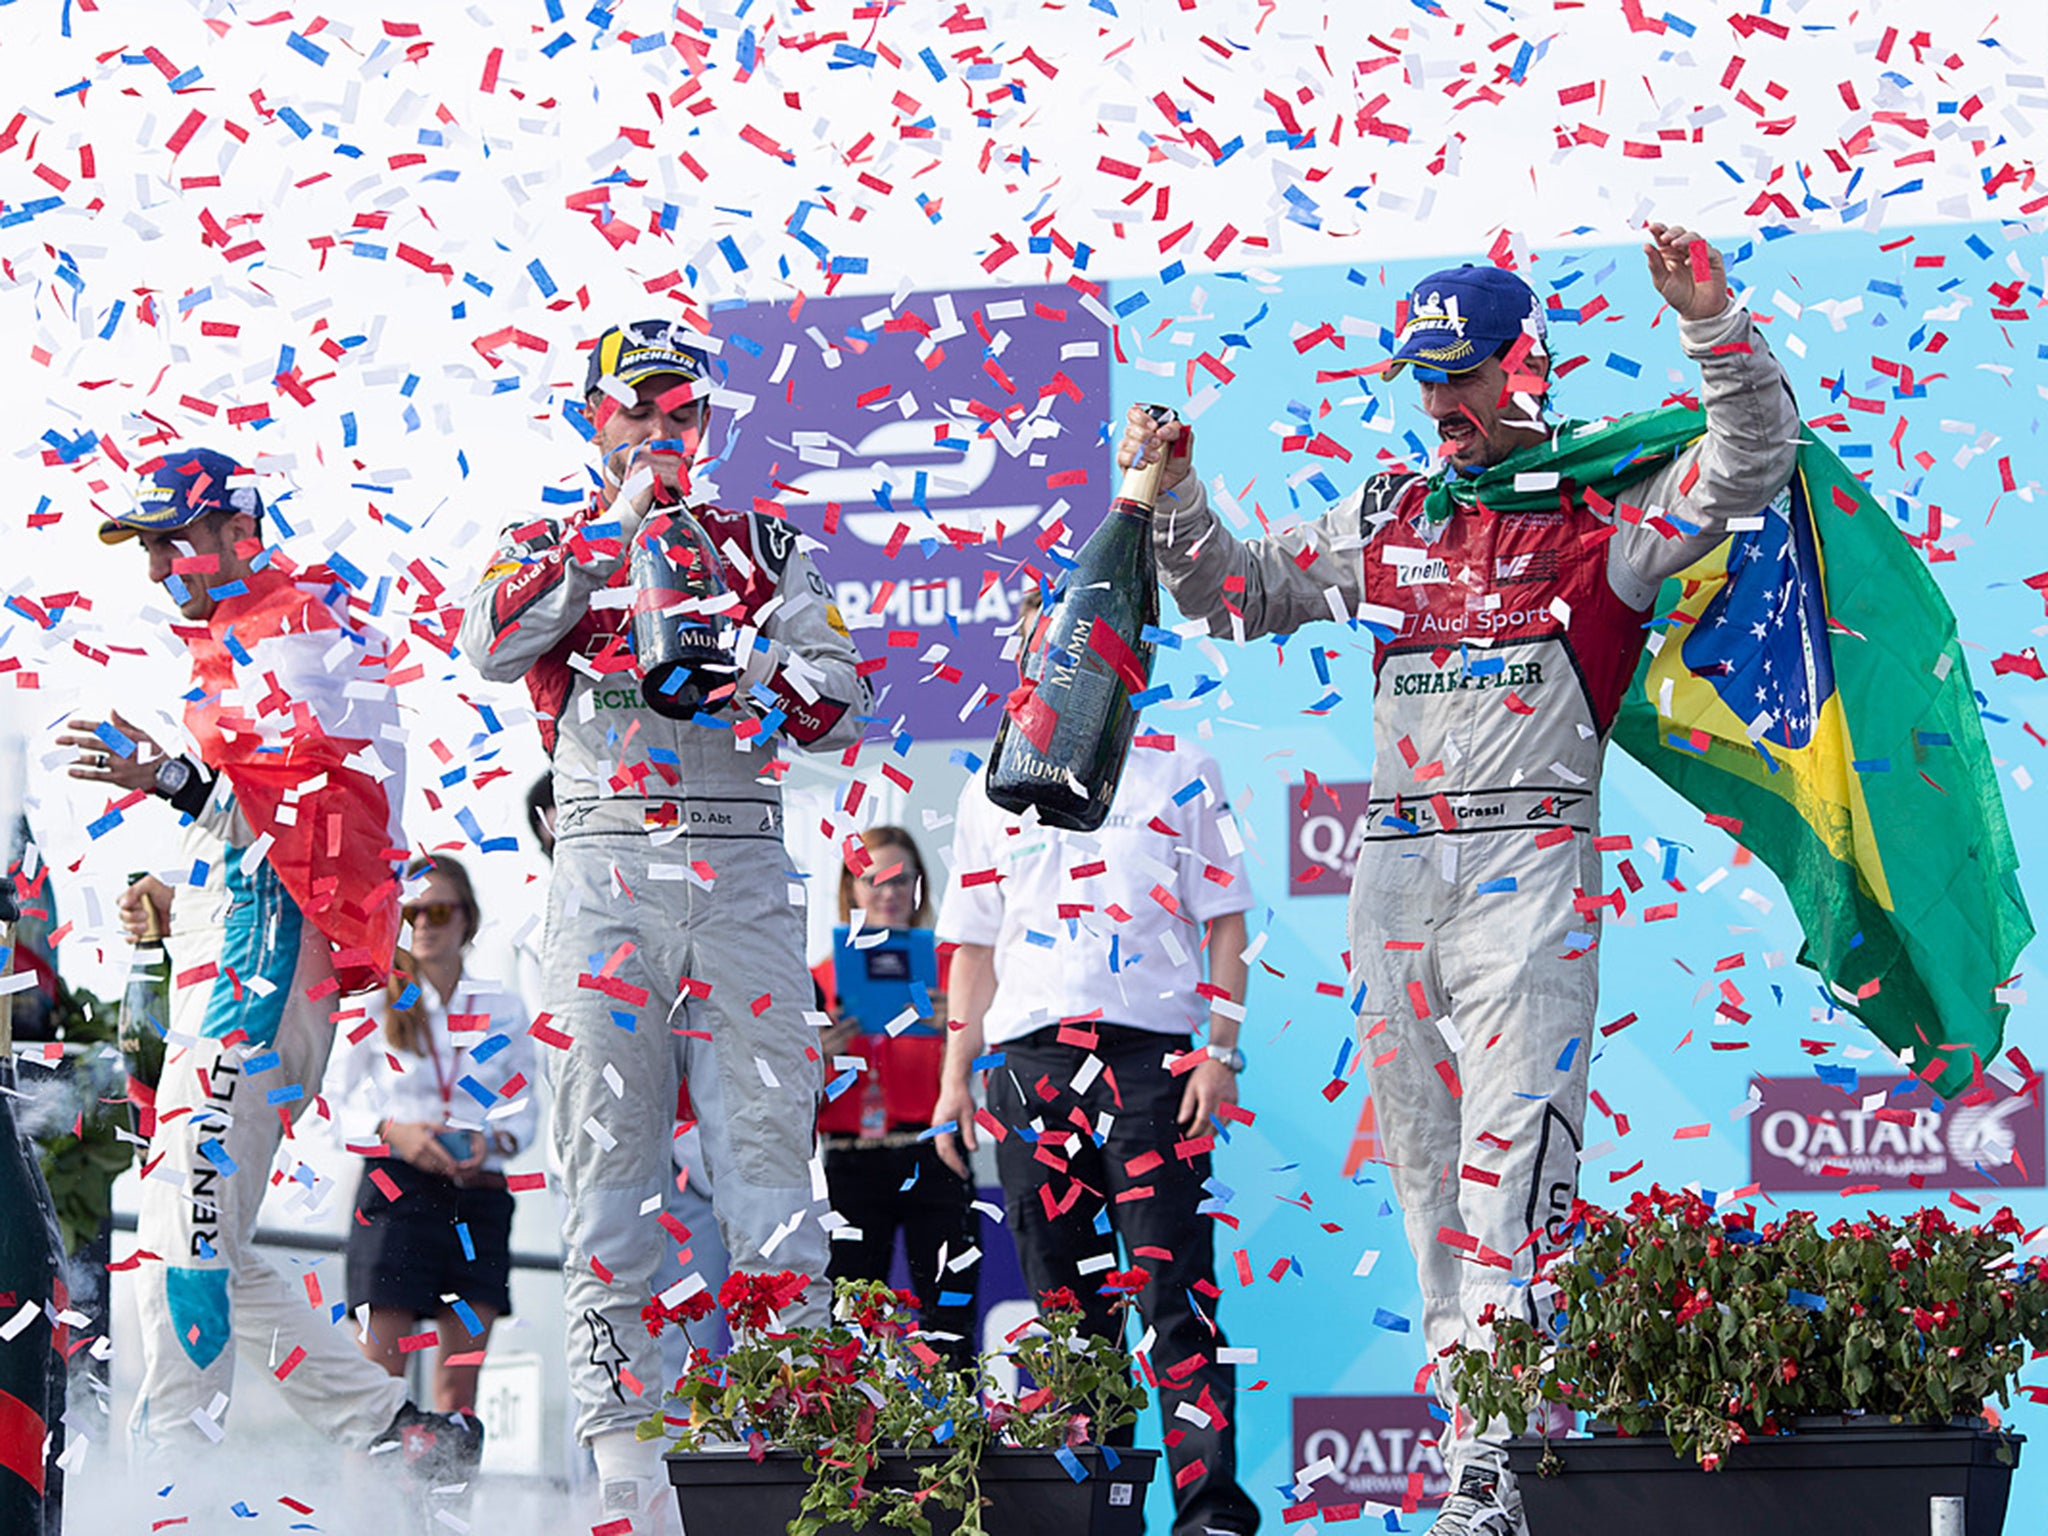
246 1043
674 950
1473 918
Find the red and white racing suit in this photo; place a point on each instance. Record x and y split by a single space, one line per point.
674 949
1474 907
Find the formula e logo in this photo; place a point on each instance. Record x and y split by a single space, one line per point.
1529 566
925 474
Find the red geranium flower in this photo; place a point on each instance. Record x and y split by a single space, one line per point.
751 1301
657 1316
1058 1299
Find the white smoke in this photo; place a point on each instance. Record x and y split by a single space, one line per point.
255 1482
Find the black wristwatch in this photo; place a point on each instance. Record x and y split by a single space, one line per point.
1233 1058
172 775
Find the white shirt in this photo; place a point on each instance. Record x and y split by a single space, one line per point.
1120 955
462 1082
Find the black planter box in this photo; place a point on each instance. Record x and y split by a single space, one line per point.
1835 1477
1029 1493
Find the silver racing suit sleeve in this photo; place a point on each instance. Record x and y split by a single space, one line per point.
535 590
1743 461
1273 585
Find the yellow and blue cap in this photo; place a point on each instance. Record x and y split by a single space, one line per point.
184 487
645 349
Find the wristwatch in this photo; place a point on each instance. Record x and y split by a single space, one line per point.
172 775
1231 1056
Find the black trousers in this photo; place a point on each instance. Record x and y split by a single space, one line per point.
1150 1196
866 1185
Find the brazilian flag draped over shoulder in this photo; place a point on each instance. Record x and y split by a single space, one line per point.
1807 682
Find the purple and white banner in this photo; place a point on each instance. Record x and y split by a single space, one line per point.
1808 1135
938 447
1326 824
1380 1449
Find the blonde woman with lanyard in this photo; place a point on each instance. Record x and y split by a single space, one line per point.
445 1086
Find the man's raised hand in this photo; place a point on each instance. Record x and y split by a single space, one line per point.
1687 272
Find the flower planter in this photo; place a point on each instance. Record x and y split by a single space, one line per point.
1835 1477
1029 1492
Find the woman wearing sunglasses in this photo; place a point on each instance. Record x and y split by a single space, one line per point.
437 1077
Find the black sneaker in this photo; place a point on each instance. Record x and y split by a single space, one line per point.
1485 1504
435 1449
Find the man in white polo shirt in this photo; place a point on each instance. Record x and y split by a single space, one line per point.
1080 971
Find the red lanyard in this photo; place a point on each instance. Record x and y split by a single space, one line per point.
441 1077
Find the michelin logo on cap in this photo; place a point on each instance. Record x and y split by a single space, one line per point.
646 349
1459 317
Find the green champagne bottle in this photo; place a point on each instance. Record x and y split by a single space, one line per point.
1063 739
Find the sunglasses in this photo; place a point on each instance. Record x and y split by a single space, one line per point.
431 913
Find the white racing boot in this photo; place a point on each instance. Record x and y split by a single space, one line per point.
632 1484
1485 1503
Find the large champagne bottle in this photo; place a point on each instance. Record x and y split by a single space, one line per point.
146 1004
32 1285
1063 740
682 627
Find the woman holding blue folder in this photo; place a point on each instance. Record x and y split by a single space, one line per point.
883 985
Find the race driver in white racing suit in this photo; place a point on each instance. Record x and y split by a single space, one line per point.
674 950
1505 643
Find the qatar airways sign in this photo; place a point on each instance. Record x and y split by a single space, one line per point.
1369 1450
1326 826
935 444
1808 1135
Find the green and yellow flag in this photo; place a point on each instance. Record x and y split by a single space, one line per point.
1806 682
1806 688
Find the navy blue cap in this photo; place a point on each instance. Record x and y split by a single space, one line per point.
645 349
187 484
1461 316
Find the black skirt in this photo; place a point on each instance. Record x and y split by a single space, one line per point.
407 1253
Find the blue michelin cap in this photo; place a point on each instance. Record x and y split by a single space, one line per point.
186 485
1461 316
645 349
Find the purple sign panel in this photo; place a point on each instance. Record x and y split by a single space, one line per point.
1326 825
1369 1449
937 446
1808 1135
